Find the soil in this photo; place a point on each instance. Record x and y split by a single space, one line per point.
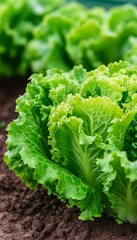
30 215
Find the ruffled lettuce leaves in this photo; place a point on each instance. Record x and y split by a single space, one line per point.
73 35
103 36
47 47
119 169
76 135
38 35
17 21
28 136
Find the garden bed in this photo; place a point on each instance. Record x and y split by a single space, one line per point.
27 214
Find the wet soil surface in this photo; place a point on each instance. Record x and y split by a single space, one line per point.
29 215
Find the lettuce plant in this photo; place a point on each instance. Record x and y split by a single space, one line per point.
76 135
17 20
74 35
47 47
38 35
103 37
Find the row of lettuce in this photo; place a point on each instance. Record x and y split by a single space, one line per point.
76 134
38 35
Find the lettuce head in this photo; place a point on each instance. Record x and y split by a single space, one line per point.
76 134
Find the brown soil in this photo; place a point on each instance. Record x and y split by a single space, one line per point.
29 215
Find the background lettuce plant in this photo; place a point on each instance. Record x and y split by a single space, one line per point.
38 35
90 37
17 21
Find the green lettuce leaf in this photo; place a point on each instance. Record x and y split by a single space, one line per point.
78 135
120 185
119 167
67 186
